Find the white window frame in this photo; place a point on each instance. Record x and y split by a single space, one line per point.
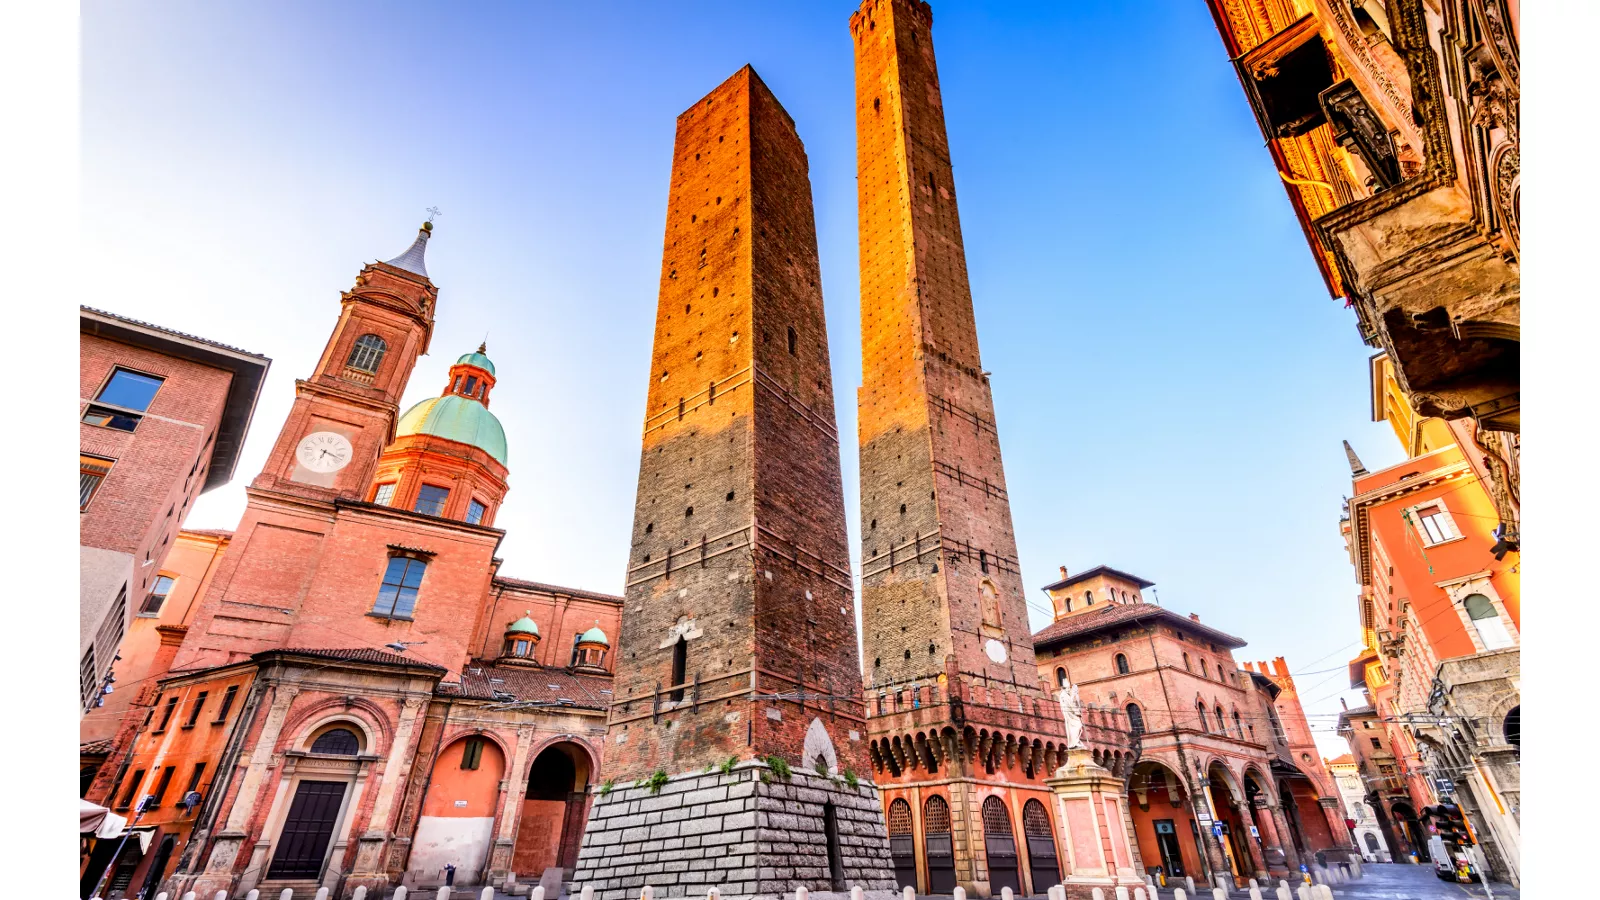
1413 512
1462 588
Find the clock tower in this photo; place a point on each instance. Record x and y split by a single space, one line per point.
345 413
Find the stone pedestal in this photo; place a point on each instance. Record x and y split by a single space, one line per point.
749 832
1092 809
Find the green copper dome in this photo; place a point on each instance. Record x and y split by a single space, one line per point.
594 636
524 625
456 418
476 359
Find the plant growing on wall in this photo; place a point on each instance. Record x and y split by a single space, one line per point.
606 788
654 782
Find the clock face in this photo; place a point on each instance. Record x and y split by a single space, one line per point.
323 451
995 650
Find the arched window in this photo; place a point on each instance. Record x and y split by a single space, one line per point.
899 817
1238 725
367 353
1222 721
1513 729
792 338
1088 598
1186 666
1135 718
936 816
680 667
1204 672
337 742
1200 710
1122 664
1486 619
1061 677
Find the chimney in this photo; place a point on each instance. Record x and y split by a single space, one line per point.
1063 573
1194 617
1343 705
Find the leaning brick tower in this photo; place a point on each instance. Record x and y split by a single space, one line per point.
736 741
960 722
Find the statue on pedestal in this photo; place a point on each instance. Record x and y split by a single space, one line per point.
1072 713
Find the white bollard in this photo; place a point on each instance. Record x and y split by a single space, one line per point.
1097 894
647 893
444 892
1255 892
360 893
189 896
1283 891
1178 894
287 894
960 893
537 893
800 893
1122 893
400 893
1138 894
162 896
486 894
1188 883
1218 894
856 893
909 893
712 893
1005 894
322 894
220 895
1304 893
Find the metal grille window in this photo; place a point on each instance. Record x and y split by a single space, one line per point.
385 494
936 815
900 817
88 679
1035 821
398 595
92 471
1135 718
475 511
1122 664
337 742
367 353
431 500
158 596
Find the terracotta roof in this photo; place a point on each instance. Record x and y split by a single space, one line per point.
505 582
1345 760
95 748
355 654
530 683
1122 613
1098 570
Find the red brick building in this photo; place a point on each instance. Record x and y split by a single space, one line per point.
1217 744
163 415
344 690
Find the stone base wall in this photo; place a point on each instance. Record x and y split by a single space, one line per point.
747 832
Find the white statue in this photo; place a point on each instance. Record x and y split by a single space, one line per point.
1072 713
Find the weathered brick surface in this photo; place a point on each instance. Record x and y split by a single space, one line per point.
763 842
739 539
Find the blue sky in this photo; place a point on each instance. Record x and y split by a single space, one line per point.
1170 377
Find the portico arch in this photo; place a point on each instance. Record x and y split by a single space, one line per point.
554 809
1163 819
457 822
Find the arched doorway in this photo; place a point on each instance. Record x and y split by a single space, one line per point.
1411 829
158 865
940 847
1163 821
554 810
1000 846
1041 846
902 843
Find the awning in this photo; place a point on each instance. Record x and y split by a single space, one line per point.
97 820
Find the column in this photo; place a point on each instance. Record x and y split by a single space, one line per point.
1258 862
1209 843
512 794
1285 836
369 866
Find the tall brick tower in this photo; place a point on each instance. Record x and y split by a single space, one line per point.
955 694
738 686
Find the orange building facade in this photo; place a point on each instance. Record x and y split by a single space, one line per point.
343 690
1441 614
1224 777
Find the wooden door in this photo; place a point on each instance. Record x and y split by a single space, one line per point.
902 844
1041 846
303 843
1000 845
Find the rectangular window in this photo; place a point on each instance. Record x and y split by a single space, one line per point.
133 788
430 500
125 395
227 704
398 595
385 494
194 711
472 753
161 787
166 714
88 679
194 778
575 651
1434 524
475 511
1376 744
158 596
92 471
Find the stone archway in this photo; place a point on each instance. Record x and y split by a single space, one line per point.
456 826
1163 820
554 810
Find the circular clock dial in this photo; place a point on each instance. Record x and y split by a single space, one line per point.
995 650
323 451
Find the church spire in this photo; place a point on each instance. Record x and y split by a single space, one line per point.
412 260
1357 470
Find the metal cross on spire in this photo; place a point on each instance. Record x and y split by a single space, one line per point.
433 212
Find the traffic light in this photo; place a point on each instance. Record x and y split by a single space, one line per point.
1450 824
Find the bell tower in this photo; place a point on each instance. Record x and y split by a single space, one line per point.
344 413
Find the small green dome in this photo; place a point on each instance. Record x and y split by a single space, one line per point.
476 358
524 625
594 636
456 418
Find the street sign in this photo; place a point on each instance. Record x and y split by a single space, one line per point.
1446 786
1216 828
1255 832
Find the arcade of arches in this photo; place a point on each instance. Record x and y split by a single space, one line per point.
554 810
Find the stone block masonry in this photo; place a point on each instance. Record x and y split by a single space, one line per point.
747 832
